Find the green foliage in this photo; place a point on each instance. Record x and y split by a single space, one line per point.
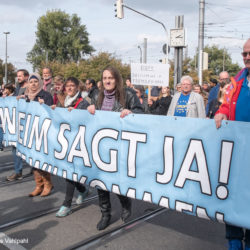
95 65
219 57
189 69
60 38
216 58
171 74
11 72
89 68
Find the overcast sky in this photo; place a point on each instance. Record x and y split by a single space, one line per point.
227 25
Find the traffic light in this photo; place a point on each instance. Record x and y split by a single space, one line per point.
164 60
119 9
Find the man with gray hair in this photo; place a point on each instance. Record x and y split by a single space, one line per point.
224 79
236 107
187 103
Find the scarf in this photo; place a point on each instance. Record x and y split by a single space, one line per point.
46 82
33 93
69 100
108 101
59 97
55 99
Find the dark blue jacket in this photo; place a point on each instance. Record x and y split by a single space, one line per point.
46 96
212 95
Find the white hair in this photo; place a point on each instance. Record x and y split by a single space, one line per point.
189 78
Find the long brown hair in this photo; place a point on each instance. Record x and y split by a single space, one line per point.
168 92
119 90
221 93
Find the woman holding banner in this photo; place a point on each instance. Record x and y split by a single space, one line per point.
72 101
113 97
34 92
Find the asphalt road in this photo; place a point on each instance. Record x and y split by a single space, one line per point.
33 223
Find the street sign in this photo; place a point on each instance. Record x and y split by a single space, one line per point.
150 74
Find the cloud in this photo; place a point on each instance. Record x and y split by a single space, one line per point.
158 5
107 33
228 43
29 4
6 18
152 38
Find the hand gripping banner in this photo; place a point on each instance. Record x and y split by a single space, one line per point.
184 164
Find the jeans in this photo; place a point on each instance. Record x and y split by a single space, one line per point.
18 162
70 188
1 136
233 232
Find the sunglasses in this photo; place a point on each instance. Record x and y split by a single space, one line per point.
244 54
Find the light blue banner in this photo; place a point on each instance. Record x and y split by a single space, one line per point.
184 164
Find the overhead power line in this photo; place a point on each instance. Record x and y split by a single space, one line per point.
229 5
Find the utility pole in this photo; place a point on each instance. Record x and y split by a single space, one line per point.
178 53
186 53
145 50
145 61
223 68
201 38
6 56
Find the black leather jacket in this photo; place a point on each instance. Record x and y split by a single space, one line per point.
82 105
131 102
93 93
46 96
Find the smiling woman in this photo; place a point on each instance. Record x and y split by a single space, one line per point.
72 101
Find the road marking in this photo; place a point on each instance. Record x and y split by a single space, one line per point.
8 162
12 243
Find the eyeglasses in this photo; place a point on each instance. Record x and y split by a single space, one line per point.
245 54
70 86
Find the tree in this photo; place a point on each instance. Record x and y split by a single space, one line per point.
219 60
190 69
11 72
60 38
216 59
95 65
89 68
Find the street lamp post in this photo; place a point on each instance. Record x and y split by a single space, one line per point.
201 40
6 55
139 47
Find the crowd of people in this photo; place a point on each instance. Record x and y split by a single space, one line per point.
220 99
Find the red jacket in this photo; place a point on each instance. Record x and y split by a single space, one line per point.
228 106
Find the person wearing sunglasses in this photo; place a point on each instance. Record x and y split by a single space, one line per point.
236 107
224 79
